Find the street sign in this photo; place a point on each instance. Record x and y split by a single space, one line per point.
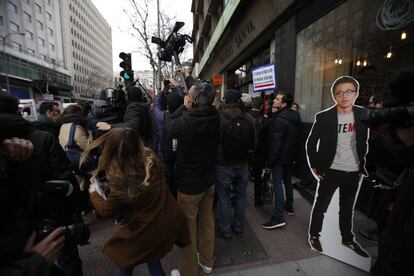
264 77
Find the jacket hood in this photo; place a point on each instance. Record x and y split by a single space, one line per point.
290 115
202 120
73 118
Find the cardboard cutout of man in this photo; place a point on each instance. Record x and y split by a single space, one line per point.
336 149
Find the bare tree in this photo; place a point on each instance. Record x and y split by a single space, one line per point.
143 30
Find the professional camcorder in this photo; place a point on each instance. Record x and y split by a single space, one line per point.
173 45
399 116
51 209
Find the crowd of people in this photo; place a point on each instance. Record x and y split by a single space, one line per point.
151 164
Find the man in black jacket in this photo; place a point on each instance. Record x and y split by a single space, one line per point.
336 149
137 116
196 127
48 120
284 146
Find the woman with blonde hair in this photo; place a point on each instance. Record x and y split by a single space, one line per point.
154 223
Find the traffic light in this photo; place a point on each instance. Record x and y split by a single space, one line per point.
126 65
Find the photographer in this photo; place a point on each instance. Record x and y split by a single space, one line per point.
397 240
48 162
19 254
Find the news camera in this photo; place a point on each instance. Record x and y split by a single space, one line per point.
398 116
173 45
51 206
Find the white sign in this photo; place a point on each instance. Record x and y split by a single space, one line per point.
48 97
264 77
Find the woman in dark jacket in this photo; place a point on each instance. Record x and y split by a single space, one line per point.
137 185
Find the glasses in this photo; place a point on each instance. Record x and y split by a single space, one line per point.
344 93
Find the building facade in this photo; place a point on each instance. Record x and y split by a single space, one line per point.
88 41
311 42
32 51
60 48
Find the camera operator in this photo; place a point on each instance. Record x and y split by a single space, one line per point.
48 162
397 239
104 111
137 116
19 254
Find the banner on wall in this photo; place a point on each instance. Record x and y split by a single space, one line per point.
264 77
339 167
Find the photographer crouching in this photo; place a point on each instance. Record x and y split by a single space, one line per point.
397 239
40 194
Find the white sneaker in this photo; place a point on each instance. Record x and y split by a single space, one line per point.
175 272
206 269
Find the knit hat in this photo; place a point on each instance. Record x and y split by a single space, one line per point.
232 96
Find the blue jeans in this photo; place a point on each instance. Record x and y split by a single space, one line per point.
226 177
155 269
282 174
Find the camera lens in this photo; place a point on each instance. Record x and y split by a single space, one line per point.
77 233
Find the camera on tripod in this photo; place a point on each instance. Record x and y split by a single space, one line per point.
174 44
53 207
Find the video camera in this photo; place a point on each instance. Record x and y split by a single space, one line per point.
51 207
174 44
398 116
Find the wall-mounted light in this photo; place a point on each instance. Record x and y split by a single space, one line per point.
365 63
358 63
336 61
389 54
403 35
340 61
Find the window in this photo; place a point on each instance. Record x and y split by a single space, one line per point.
41 41
38 8
29 35
1 20
16 46
51 47
27 17
53 61
39 25
11 7
42 57
49 2
14 28
27 1
2 39
50 31
31 52
49 16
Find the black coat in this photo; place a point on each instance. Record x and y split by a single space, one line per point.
284 138
325 132
138 117
197 132
46 124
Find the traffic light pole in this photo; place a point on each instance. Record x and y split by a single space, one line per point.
178 63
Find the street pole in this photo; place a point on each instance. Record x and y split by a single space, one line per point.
159 47
4 60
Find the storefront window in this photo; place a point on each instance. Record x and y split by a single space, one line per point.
348 41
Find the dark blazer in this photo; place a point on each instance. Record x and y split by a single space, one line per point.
325 131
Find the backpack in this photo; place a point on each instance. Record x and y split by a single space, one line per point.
74 152
237 138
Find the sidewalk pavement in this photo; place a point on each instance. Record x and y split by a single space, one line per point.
287 248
